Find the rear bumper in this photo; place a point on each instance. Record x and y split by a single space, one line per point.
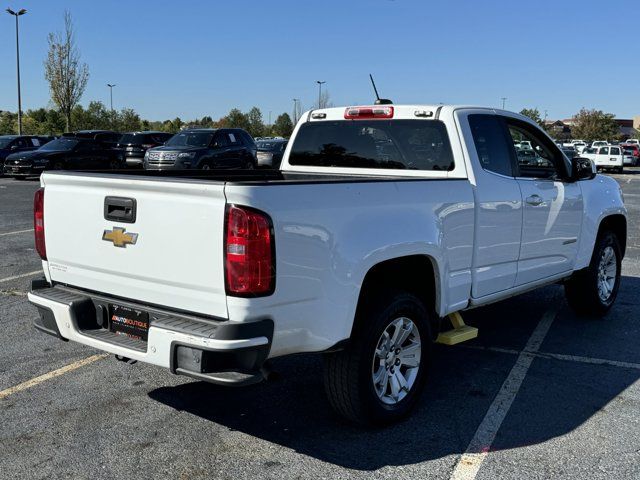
221 352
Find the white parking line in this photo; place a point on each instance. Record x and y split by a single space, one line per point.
560 356
16 232
470 462
53 374
22 275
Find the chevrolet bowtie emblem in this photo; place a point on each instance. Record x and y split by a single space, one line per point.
119 237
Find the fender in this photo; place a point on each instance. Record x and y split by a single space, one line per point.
602 198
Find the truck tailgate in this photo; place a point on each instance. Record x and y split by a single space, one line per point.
177 258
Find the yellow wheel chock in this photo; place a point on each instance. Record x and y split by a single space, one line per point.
460 332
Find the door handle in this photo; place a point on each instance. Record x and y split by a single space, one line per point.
535 200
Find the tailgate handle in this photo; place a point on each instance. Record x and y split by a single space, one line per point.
120 209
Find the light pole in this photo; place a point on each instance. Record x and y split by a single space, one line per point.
111 85
17 14
295 110
504 99
320 91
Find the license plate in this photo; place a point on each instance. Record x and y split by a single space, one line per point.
15 169
127 321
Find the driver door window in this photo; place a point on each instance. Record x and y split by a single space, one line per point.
536 155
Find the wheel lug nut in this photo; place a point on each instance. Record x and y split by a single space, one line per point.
397 361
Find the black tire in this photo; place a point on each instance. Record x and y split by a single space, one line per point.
205 166
58 166
115 165
348 374
581 290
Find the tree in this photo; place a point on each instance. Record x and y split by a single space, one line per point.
236 119
256 125
8 121
128 121
533 114
67 77
283 126
594 125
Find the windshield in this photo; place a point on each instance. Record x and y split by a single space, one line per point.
61 144
399 144
190 139
5 141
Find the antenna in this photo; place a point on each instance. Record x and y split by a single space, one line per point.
379 101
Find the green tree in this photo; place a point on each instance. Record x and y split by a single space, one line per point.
594 125
256 125
236 119
67 77
8 123
283 125
533 114
206 122
129 121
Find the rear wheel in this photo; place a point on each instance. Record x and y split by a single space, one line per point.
593 291
205 166
378 378
114 164
58 166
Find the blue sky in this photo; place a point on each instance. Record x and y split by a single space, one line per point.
195 58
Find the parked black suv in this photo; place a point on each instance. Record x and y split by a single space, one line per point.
135 144
19 143
204 148
65 153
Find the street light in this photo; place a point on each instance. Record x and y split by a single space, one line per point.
320 91
504 99
295 110
17 14
111 85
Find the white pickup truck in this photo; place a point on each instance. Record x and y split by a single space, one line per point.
383 224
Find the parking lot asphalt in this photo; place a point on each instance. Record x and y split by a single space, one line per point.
540 393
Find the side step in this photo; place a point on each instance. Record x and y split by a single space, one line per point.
460 332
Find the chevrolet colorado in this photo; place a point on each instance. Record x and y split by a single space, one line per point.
383 222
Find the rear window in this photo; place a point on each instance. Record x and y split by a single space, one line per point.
615 151
399 144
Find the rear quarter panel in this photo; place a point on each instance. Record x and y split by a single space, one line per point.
328 236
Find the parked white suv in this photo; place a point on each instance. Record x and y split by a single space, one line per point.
383 224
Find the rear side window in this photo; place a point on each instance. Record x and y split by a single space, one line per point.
398 144
491 144
614 151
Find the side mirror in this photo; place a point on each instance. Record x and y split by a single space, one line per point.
13 147
582 169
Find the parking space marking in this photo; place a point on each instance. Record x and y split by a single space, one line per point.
560 356
16 232
53 374
22 275
470 462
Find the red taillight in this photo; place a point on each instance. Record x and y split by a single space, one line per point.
249 252
38 223
368 112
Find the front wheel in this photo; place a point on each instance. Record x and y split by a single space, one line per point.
378 378
592 291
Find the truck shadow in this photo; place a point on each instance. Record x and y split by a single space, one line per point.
555 399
